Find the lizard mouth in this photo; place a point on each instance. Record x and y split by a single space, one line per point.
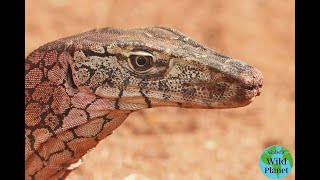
253 93
252 90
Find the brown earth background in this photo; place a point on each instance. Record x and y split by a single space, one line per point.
173 143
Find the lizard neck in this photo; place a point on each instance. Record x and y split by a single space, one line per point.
62 123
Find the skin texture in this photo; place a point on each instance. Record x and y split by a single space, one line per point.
80 88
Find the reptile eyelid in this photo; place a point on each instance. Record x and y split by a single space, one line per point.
142 53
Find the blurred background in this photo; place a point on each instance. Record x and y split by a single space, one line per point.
173 143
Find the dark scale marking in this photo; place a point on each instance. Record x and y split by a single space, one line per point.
166 96
163 86
91 73
116 104
146 99
87 113
109 80
35 173
53 154
123 86
89 52
126 81
43 58
32 140
143 83
88 105
106 120
66 147
71 49
48 67
38 154
74 134
70 78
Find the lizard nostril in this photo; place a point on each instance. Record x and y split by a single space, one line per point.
258 92
250 87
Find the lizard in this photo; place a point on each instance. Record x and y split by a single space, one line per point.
79 89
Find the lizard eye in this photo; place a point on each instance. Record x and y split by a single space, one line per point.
141 63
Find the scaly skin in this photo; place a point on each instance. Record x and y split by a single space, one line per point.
80 88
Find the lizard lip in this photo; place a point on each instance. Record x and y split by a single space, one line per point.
255 89
250 93
256 82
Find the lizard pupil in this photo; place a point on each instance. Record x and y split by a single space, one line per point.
141 63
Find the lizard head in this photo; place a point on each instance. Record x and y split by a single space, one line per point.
159 66
80 88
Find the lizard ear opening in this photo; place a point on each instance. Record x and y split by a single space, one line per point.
70 78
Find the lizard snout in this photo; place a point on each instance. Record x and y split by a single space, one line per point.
253 81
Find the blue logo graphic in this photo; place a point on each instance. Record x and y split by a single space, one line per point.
276 162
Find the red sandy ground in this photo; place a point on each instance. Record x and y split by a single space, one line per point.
172 143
